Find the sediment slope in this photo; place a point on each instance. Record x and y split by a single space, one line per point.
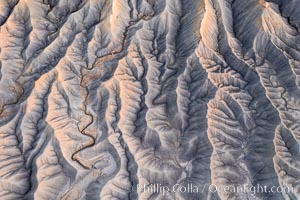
99 97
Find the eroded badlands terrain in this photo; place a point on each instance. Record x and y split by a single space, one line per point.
99 97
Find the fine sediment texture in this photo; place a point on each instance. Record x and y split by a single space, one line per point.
99 98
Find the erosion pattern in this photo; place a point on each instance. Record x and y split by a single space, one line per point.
99 96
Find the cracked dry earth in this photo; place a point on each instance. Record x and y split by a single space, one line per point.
100 96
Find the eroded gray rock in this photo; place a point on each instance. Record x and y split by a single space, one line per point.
144 99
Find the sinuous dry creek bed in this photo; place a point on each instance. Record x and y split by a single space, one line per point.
99 97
